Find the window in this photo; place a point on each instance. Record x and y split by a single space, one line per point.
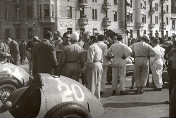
143 18
115 16
95 31
6 14
129 17
94 14
7 33
30 33
46 10
45 29
69 30
94 0
173 24
131 33
40 11
156 19
52 12
156 6
82 30
138 33
144 5
17 32
167 8
131 3
29 9
115 2
69 12
81 12
144 31
17 12
167 20
167 33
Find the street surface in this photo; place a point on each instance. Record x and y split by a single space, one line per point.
151 104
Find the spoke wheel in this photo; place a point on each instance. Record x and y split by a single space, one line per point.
5 91
72 116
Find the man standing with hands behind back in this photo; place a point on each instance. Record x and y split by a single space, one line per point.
44 56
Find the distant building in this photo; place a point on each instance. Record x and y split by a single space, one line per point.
22 19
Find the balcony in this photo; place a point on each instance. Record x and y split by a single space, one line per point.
47 19
83 21
150 1
106 22
106 6
16 2
139 24
164 26
151 25
151 11
82 3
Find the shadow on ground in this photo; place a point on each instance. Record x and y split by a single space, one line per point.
131 104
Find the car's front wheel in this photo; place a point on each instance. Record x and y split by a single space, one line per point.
68 110
5 91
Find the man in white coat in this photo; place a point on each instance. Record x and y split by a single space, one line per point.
120 51
156 64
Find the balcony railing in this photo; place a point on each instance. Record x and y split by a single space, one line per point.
151 11
106 22
106 6
82 3
47 19
164 26
139 24
16 1
83 21
151 25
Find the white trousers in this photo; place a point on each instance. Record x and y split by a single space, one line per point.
157 69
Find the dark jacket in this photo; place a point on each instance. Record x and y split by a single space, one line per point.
44 57
14 51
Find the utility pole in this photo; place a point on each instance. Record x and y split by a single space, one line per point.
162 19
125 15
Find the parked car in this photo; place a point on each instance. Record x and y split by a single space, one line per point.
11 78
53 97
129 65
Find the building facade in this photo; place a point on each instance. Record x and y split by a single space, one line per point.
22 19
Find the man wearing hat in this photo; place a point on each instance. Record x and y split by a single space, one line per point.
71 58
141 52
14 51
44 56
119 51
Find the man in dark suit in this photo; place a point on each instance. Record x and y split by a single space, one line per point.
14 51
44 56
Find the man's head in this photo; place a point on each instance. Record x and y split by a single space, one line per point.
86 36
155 41
100 37
74 37
94 39
48 35
35 38
66 37
119 37
145 38
8 40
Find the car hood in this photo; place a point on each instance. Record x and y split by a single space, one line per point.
63 89
8 70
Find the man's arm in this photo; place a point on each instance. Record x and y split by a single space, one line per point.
52 53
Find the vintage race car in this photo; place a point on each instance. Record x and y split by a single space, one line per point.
53 97
11 78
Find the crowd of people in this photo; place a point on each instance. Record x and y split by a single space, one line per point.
86 59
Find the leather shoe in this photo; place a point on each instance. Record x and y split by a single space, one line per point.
123 93
114 92
157 89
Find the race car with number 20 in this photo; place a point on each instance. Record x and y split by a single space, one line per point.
52 97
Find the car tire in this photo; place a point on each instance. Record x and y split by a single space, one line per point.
68 110
6 90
